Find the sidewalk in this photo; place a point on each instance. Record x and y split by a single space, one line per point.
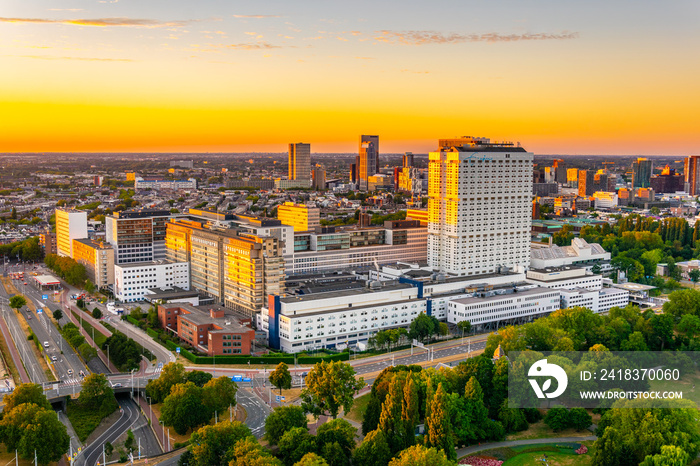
154 423
89 340
514 443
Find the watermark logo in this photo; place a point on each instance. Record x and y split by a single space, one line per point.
543 369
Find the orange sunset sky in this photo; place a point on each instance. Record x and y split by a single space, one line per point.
596 77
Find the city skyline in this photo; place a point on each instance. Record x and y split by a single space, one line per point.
125 76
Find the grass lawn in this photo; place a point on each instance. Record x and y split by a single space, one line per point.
686 384
540 430
359 407
9 458
85 420
100 339
531 455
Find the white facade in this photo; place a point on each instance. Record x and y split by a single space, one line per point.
569 277
599 301
189 184
332 318
70 225
605 200
531 303
361 257
132 281
480 211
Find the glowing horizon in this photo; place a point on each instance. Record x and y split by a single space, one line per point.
244 77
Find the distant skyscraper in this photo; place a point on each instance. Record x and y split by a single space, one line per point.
586 183
369 159
641 173
479 208
560 171
692 175
319 178
300 161
407 159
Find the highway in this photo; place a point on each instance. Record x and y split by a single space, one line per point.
92 453
31 364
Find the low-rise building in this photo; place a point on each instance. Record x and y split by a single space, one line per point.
579 253
132 281
214 330
566 277
599 301
47 241
172 185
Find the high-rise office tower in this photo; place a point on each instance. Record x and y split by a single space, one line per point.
479 210
70 224
137 235
300 161
692 175
368 159
586 183
407 159
641 173
319 178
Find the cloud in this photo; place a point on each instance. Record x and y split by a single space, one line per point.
256 16
46 57
432 37
100 22
260 45
66 9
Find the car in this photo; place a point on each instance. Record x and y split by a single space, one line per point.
29 317
46 344
69 371
116 385
54 358
25 283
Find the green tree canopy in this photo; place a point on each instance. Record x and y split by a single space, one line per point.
172 374
281 378
373 451
330 386
183 408
418 455
281 419
214 445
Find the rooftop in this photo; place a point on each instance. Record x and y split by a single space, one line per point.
506 295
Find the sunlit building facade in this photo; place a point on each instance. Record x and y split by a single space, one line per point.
70 224
479 209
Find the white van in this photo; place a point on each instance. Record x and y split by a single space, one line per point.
46 344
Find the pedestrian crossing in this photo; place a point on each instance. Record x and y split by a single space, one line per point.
71 381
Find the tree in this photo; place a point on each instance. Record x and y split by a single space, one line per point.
670 456
281 378
373 451
311 459
89 286
30 428
281 419
58 315
465 326
341 435
421 327
579 419
17 302
96 393
213 445
96 313
419 455
294 444
694 276
438 424
182 409
87 352
172 374
26 393
248 452
199 378
330 386
390 421
557 419
219 394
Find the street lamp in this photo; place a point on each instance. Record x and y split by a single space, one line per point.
132 382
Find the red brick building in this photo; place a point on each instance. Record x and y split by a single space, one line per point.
213 330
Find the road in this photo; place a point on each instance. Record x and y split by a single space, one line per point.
130 419
256 411
29 359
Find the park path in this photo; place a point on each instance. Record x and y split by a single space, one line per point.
466 451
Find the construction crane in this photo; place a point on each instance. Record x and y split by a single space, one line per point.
605 165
